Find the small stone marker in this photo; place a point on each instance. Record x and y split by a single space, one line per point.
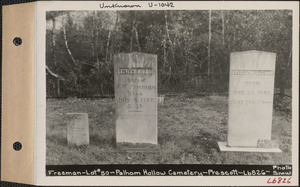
136 99
267 144
251 89
160 100
77 129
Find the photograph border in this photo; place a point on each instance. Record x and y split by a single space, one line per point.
40 104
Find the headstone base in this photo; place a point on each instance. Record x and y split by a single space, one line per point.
224 147
137 147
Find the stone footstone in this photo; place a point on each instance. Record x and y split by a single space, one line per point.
78 129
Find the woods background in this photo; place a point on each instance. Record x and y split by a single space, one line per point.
193 47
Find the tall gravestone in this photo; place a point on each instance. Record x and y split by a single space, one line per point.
78 129
136 99
251 88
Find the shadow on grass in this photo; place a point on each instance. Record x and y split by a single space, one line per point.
102 141
206 141
57 139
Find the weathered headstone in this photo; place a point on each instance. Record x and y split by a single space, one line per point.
136 99
77 129
251 88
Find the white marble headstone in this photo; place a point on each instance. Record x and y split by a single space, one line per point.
251 88
136 98
78 129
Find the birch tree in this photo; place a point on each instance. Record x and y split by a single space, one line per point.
209 42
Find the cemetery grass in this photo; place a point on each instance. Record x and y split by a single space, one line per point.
188 132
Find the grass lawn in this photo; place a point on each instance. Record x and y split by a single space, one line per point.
188 131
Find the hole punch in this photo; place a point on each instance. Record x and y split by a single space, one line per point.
17 41
17 146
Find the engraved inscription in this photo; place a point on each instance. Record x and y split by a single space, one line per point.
249 88
253 72
135 88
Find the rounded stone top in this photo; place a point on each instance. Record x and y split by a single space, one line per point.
253 51
77 114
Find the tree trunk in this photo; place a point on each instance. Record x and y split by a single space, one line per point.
165 52
58 87
114 37
53 41
171 45
67 46
283 75
137 39
73 60
132 33
97 35
131 38
54 55
93 37
290 58
223 28
209 41
282 81
107 46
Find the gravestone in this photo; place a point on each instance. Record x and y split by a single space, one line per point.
251 88
136 99
77 129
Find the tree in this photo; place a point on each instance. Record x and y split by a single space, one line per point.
209 41
191 46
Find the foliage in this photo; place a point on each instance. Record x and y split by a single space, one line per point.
80 46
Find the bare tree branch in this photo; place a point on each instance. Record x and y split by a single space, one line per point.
53 74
